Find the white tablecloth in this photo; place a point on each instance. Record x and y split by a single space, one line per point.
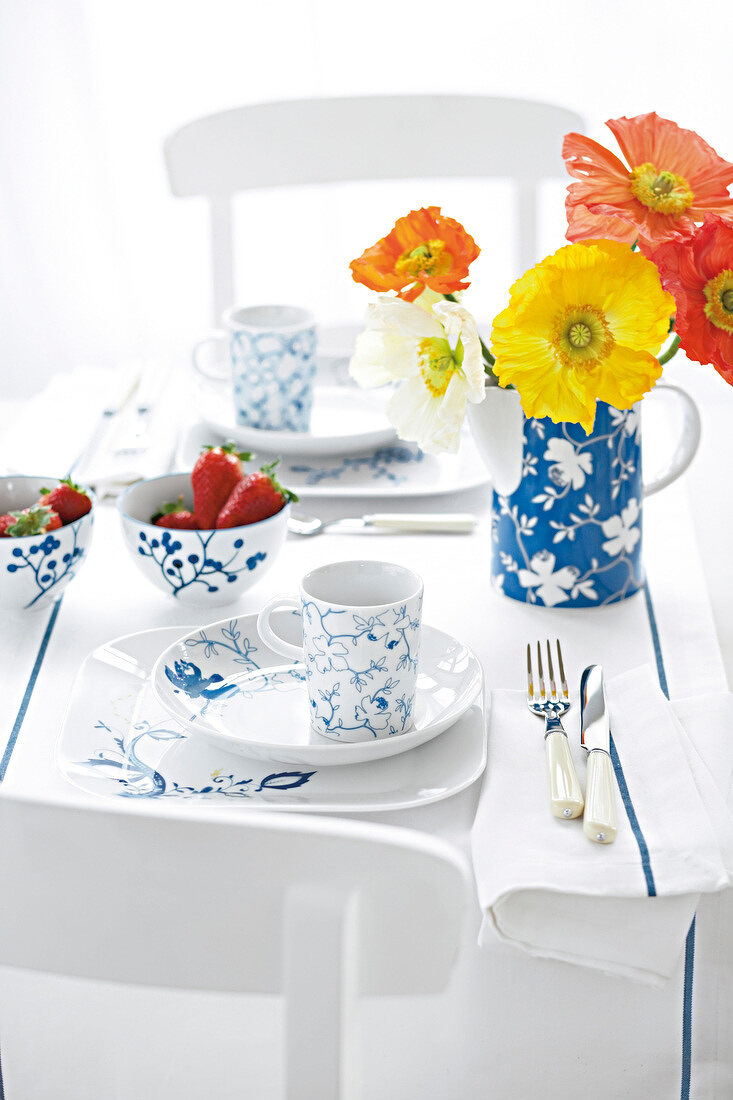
509 1025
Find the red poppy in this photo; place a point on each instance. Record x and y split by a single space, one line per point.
698 272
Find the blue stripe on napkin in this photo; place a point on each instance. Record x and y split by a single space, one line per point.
690 942
646 864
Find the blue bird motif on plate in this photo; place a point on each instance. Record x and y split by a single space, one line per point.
188 677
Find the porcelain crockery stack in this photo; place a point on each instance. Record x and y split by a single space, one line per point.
196 567
361 647
35 569
224 684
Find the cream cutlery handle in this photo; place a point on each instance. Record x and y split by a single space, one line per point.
599 821
457 523
566 797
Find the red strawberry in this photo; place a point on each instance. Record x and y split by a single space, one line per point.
258 497
31 521
216 471
6 521
67 499
175 515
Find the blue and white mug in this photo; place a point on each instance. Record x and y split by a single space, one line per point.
272 363
361 643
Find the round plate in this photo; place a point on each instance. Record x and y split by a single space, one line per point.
212 682
117 741
345 420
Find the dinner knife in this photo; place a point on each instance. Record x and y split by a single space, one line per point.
599 817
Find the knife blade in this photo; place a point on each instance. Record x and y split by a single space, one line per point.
599 816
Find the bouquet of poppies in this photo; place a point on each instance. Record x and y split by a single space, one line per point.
650 263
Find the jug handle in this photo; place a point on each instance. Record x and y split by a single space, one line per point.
687 444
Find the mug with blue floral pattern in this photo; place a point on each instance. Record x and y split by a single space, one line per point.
361 644
272 360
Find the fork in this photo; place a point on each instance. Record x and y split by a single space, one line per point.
566 797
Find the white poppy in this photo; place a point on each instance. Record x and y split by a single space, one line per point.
434 356
621 531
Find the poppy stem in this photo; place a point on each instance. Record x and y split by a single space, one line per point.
488 357
671 350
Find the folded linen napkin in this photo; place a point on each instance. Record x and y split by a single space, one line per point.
47 433
87 421
624 908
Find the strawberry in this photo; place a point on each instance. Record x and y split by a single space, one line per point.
67 499
35 520
216 471
6 521
259 496
175 515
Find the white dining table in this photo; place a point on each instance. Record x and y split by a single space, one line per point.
509 1025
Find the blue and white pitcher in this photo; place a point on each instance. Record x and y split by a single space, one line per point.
566 516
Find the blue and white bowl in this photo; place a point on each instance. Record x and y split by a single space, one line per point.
35 569
196 567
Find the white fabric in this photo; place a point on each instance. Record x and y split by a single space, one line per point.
510 1025
49 432
79 420
548 889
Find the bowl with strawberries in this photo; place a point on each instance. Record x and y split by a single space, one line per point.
45 529
208 536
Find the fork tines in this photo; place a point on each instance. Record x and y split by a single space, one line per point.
541 696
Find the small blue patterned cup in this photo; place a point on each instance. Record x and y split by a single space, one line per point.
272 359
361 642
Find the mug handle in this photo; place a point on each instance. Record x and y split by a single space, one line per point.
265 631
215 337
687 444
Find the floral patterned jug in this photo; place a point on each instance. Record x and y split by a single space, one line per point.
566 517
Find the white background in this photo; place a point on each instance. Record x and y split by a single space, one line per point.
99 263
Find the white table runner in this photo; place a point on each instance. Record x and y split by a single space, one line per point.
508 1025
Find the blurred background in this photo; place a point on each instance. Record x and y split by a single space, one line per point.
99 263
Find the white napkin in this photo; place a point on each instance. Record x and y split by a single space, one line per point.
50 430
138 444
82 418
624 908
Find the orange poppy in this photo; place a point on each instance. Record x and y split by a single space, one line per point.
674 179
423 249
699 273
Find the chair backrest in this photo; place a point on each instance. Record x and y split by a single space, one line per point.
320 910
200 901
365 138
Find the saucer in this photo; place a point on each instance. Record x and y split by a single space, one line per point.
225 684
344 420
396 469
117 741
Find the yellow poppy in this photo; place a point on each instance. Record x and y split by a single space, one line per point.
584 325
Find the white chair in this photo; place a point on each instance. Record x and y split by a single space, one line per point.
320 910
365 138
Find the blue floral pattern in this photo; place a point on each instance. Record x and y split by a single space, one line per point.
48 566
384 464
273 379
570 534
180 571
362 669
122 759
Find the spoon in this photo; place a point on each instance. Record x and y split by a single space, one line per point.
455 523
